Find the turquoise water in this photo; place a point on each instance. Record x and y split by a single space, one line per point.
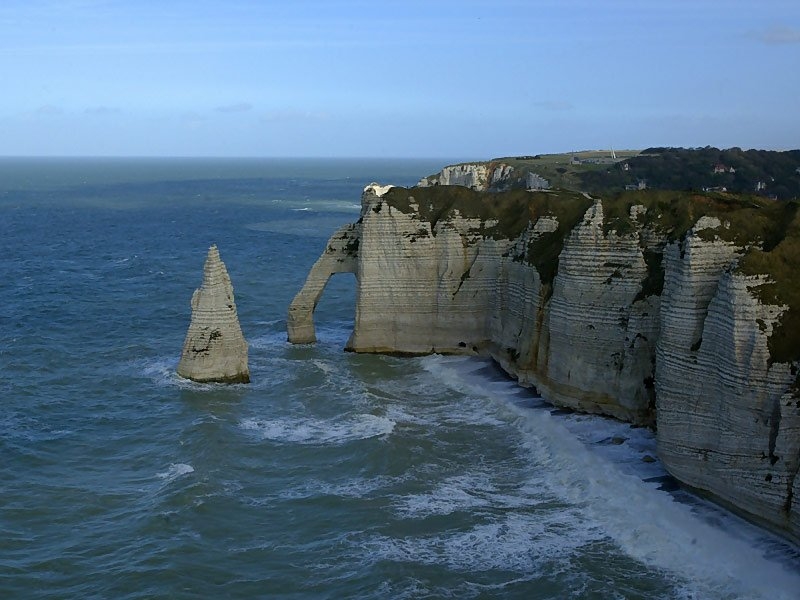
332 475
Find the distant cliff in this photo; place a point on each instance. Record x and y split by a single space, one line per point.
481 176
671 309
766 173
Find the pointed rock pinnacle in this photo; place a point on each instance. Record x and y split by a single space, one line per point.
215 349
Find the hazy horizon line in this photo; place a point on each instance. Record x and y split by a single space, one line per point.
355 157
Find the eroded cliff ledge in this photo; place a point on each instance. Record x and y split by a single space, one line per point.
667 309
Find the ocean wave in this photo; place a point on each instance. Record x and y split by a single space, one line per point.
174 471
357 487
606 482
162 372
24 428
515 541
268 341
456 493
320 432
308 223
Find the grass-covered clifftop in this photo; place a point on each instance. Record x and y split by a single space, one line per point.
766 173
767 230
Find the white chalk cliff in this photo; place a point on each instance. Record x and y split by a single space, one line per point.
339 257
477 176
636 307
215 349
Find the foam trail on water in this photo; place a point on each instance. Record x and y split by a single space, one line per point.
647 524
316 431
358 487
175 470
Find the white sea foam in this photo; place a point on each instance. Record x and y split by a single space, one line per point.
614 501
516 541
322 432
398 414
163 374
175 470
459 492
357 487
325 366
470 491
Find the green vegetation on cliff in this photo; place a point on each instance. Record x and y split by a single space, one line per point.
767 230
780 260
507 215
746 219
766 173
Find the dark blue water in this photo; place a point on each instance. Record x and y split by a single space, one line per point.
332 475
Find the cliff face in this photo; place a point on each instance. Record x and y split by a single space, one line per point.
477 176
728 415
660 309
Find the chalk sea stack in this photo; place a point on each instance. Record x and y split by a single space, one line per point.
215 349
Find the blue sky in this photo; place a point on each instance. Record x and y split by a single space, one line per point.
468 78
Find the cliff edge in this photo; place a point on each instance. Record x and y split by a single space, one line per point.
667 309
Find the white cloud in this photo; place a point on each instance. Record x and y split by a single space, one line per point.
293 115
235 108
49 110
779 34
100 111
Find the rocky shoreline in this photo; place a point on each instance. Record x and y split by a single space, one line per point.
661 309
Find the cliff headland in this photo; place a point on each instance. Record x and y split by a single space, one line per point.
765 173
675 310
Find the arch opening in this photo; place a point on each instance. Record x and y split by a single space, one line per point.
340 256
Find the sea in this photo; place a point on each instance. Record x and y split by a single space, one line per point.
331 475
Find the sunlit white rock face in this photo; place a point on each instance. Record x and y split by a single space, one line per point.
690 356
215 349
478 176
339 257
728 422
596 338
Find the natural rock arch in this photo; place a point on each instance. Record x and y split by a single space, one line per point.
340 256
